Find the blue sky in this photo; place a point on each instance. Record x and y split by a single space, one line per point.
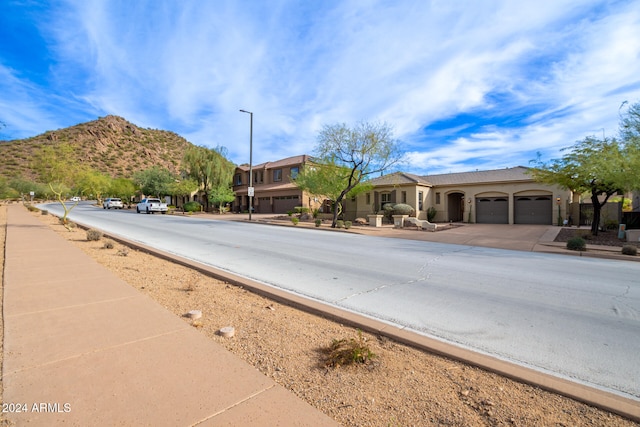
465 84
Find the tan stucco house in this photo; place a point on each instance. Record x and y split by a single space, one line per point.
501 196
273 190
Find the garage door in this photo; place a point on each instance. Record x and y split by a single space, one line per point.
492 210
282 204
533 210
264 205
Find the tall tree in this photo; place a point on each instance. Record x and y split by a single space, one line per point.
123 188
209 167
57 167
92 182
327 180
155 181
602 167
592 165
365 149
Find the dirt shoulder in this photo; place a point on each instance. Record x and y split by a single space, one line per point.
401 387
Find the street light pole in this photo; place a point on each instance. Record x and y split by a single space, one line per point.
250 189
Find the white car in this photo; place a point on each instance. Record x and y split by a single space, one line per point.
112 203
75 199
152 206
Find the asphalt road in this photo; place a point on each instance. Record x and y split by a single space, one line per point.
574 317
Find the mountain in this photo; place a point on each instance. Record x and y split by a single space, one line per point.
110 145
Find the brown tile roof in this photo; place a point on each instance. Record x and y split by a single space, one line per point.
398 178
517 173
289 161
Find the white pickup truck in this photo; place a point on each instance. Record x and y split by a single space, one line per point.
151 206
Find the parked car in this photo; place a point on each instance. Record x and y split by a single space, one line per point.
75 199
151 206
112 203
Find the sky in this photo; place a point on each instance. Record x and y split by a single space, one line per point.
464 84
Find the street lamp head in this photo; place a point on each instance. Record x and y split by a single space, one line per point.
245 111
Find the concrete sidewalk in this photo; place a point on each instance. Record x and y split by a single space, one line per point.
81 347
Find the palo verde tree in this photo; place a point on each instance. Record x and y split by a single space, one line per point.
327 180
94 183
365 149
601 167
57 167
209 167
154 181
123 188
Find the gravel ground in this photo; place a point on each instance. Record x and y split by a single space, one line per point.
604 238
402 386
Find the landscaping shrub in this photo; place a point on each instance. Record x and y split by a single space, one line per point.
318 222
295 220
347 224
339 223
108 245
629 250
192 207
576 244
301 210
431 213
403 209
93 235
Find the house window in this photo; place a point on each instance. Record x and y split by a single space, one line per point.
238 179
384 199
368 198
257 177
437 198
277 175
294 172
420 200
404 197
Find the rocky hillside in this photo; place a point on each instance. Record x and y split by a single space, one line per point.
110 144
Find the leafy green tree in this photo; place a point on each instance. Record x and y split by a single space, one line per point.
154 181
92 182
57 166
365 149
183 187
123 188
327 180
591 165
221 195
209 167
601 167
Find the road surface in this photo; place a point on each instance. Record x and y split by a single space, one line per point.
578 318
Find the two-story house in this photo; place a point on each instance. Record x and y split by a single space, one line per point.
274 191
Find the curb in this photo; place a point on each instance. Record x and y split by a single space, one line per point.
590 395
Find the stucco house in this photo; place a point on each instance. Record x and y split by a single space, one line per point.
501 196
273 190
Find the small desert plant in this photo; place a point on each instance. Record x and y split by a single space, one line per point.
629 250
315 213
347 224
576 244
349 352
318 222
108 244
290 213
295 220
192 207
339 223
93 235
431 213
32 208
123 252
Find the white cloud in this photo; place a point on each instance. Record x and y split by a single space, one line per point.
526 76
